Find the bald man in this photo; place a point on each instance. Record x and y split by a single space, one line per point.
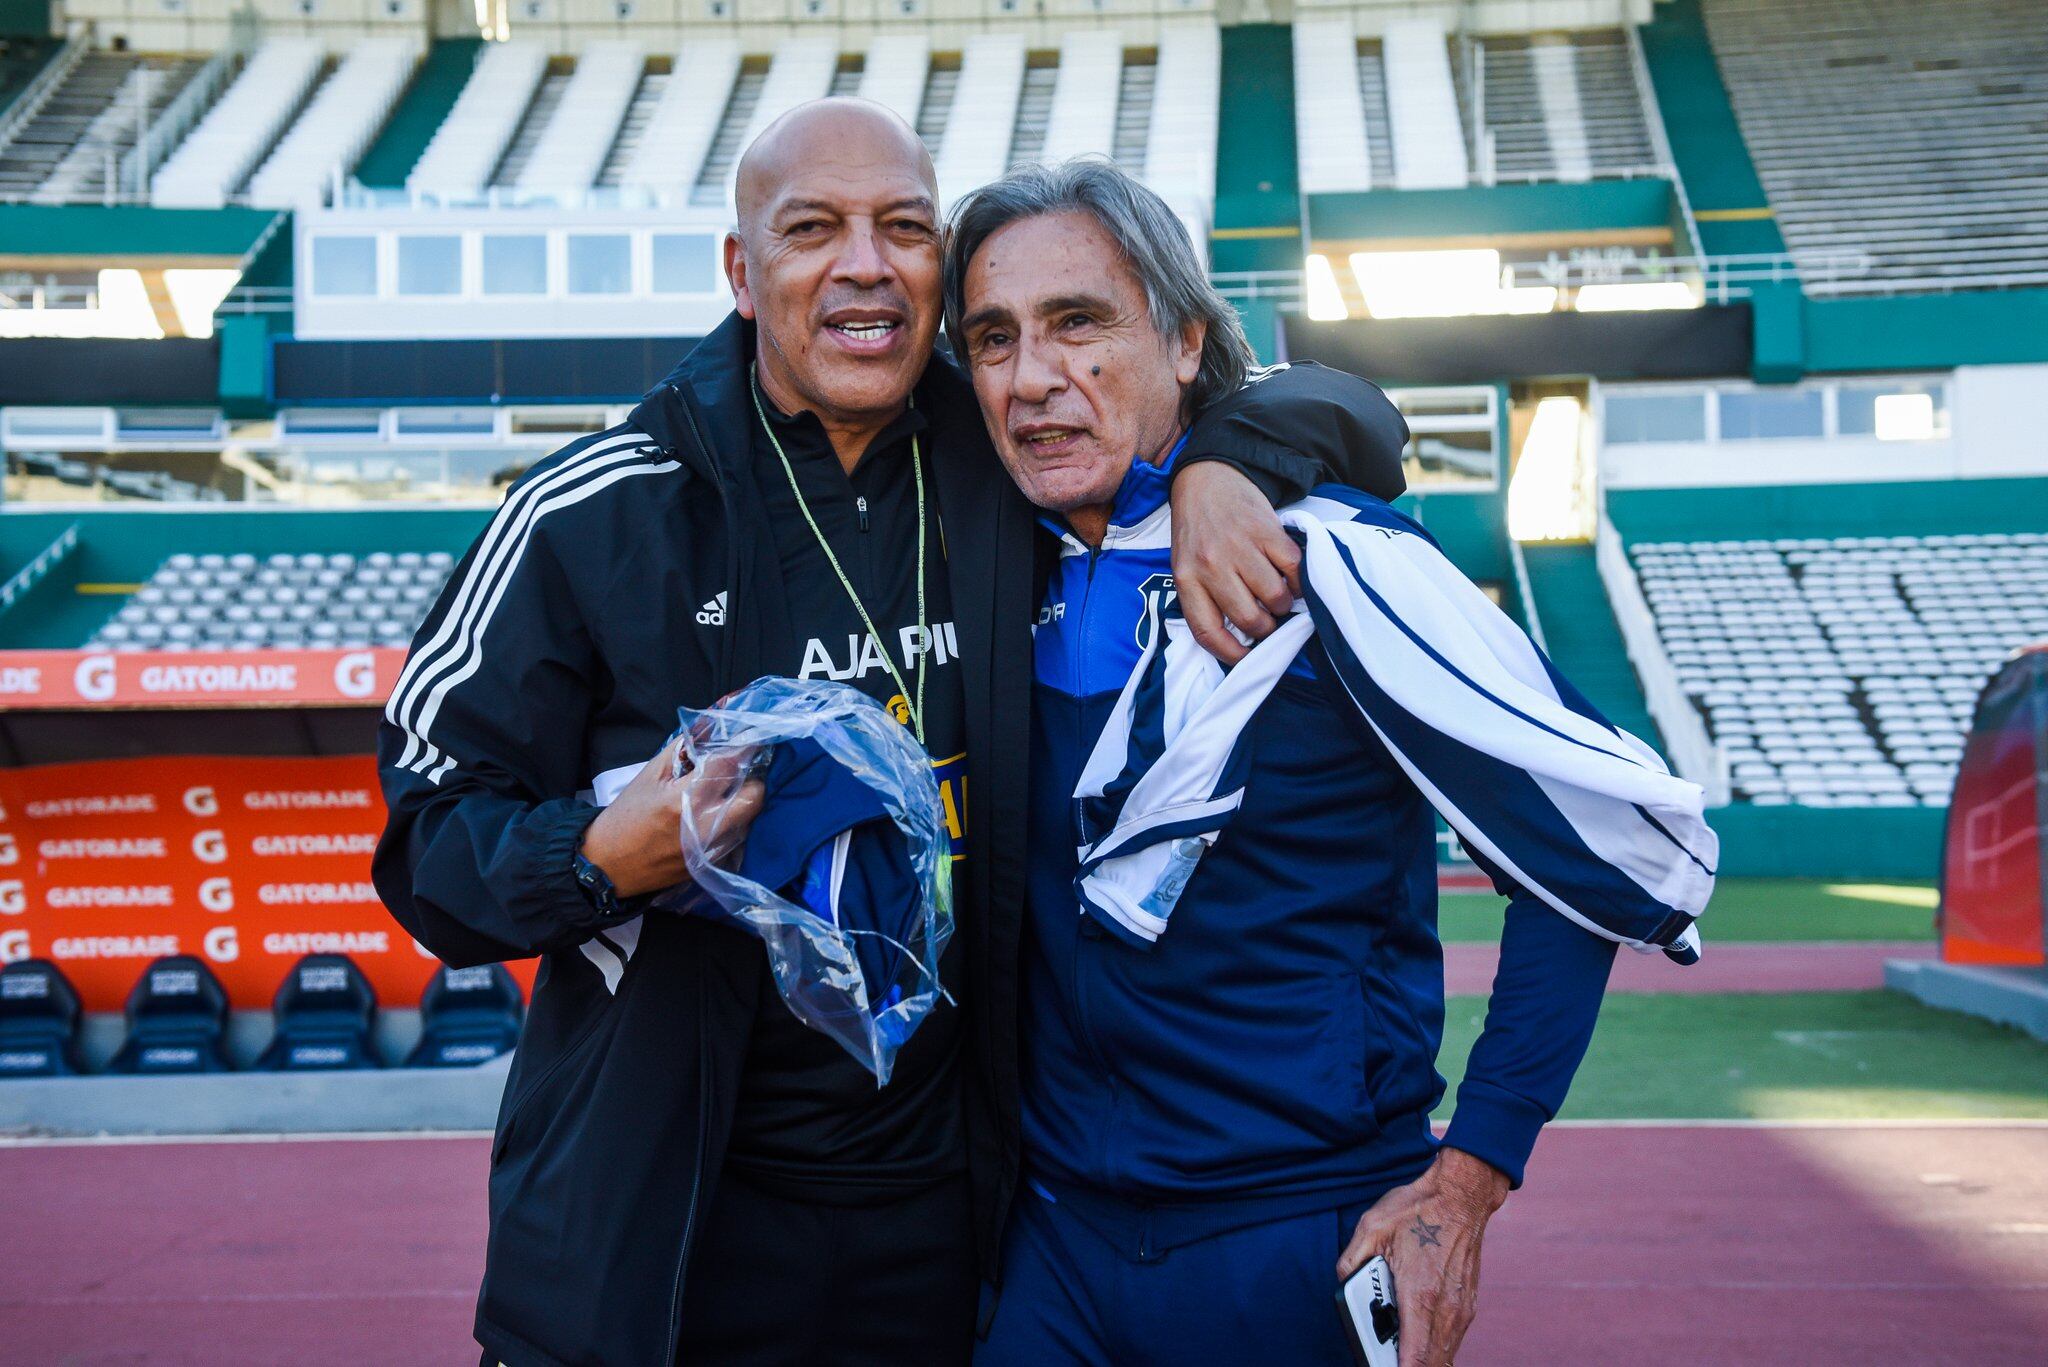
682 1171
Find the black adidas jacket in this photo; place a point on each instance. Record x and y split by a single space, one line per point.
561 649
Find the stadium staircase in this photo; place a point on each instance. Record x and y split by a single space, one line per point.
1137 84
68 113
935 110
632 135
532 124
726 143
1583 639
1913 132
1034 107
21 60
682 127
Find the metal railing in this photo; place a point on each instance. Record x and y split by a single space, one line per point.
1693 752
1719 279
247 300
30 102
156 143
29 575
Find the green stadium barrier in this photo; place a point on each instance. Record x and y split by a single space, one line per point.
1875 843
1493 210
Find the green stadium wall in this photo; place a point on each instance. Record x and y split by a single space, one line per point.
25 19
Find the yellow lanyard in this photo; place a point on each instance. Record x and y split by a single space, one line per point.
923 628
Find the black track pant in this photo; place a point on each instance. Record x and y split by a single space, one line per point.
776 1281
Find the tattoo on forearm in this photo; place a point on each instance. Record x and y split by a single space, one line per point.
1425 1233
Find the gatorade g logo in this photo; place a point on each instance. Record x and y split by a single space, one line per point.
210 847
94 678
355 674
13 946
217 894
9 854
202 801
13 900
221 945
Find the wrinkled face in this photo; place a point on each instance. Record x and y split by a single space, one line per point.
838 266
1072 377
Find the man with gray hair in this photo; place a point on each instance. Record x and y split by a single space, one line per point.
1233 987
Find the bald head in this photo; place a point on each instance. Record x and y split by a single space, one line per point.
836 261
854 138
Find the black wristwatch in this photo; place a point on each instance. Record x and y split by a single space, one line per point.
597 886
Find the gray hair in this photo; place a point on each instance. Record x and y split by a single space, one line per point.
1153 243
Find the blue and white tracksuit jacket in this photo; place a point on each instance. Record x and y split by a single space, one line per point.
1234 992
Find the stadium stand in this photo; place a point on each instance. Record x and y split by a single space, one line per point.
177 1020
681 128
1841 671
326 1012
65 135
467 1016
570 150
1913 132
223 602
345 112
218 155
38 1021
465 150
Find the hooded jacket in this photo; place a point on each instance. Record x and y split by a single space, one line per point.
560 649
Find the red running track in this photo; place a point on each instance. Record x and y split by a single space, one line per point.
1630 1245
1741 966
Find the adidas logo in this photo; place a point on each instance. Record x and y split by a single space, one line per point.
712 614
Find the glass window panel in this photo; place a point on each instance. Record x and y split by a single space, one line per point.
429 265
600 263
1450 460
332 422
414 422
1656 417
344 267
515 263
683 263
1766 413
1902 411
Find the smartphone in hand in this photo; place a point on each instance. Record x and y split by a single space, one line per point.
1372 1321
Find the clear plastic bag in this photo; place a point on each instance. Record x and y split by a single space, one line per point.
817 965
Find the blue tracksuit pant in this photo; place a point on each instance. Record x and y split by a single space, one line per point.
1084 1291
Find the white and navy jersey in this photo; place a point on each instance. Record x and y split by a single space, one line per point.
1236 986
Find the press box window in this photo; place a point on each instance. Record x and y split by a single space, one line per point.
1893 412
683 263
430 265
345 267
1762 414
515 264
600 263
1656 417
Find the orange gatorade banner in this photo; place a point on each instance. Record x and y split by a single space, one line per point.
196 678
247 863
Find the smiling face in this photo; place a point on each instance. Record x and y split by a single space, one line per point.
836 260
1073 378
